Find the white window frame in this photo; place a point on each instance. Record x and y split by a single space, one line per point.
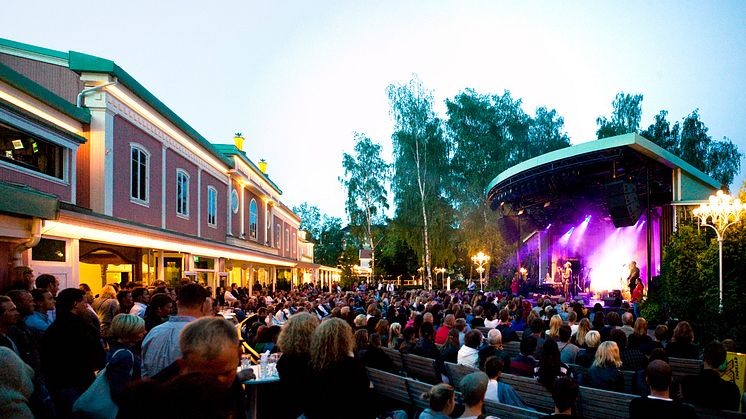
143 151
287 239
212 207
278 235
182 174
253 220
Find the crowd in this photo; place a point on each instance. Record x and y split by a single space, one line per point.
162 352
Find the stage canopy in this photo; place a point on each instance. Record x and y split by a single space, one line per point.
598 205
615 174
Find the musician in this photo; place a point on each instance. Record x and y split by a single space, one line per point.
566 278
634 275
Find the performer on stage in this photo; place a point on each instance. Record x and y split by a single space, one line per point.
566 278
634 274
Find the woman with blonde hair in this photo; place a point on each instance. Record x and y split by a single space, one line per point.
639 339
583 328
106 307
554 324
295 343
127 332
394 335
441 398
605 373
335 371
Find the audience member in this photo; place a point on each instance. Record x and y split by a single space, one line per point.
469 353
141 298
586 355
106 307
550 365
449 351
494 347
605 373
707 389
683 345
442 334
473 390
524 363
123 358
158 310
564 394
441 399
161 345
568 351
659 404
39 320
496 390
632 359
293 366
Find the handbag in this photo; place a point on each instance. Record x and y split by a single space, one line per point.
96 402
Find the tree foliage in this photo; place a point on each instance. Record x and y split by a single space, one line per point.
365 177
325 231
489 134
423 213
689 140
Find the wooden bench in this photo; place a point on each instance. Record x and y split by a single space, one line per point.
421 368
718 414
507 411
682 367
595 403
456 372
395 357
389 385
512 348
533 393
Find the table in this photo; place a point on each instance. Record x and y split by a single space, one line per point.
253 386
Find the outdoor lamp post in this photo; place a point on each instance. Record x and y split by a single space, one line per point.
720 213
480 259
442 272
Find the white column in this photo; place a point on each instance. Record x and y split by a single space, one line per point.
199 202
163 186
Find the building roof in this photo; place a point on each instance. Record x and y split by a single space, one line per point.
231 150
28 202
39 92
634 141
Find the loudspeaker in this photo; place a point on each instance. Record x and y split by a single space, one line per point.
622 203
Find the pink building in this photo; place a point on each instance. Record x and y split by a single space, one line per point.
107 184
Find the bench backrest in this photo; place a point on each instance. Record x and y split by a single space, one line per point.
389 385
718 414
421 368
395 357
533 393
507 411
595 403
682 367
512 348
416 388
456 372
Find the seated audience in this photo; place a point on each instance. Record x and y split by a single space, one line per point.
707 389
473 389
374 357
441 399
524 363
564 394
550 366
449 351
659 404
605 373
494 347
469 353
683 345
639 339
632 359
292 367
568 351
335 371
586 356
496 390
578 338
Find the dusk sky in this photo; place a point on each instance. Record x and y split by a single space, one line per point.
299 78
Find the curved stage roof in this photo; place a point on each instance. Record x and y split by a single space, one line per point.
570 180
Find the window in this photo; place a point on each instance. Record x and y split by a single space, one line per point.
295 241
278 236
139 174
182 193
252 219
49 250
212 207
32 153
287 240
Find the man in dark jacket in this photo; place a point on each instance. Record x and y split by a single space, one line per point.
659 404
707 389
71 351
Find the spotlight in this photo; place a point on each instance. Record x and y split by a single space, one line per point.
570 231
520 211
547 204
550 224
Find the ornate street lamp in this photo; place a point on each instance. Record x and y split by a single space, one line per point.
720 213
480 259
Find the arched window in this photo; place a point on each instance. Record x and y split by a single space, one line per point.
139 174
253 219
182 193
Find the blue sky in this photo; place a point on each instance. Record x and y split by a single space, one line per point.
299 78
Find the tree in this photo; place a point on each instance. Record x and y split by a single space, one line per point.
421 165
489 134
625 116
330 244
366 174
688 140
310 220
691 142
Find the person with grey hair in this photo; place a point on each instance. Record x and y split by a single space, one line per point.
473 389
210 346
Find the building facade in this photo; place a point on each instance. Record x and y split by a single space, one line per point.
104 183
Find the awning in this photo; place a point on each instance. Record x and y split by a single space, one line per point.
25 201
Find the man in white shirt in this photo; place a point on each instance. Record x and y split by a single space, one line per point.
141 297
161 345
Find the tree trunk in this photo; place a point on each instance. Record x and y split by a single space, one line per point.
421 186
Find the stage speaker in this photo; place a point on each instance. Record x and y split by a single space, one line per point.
622 202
